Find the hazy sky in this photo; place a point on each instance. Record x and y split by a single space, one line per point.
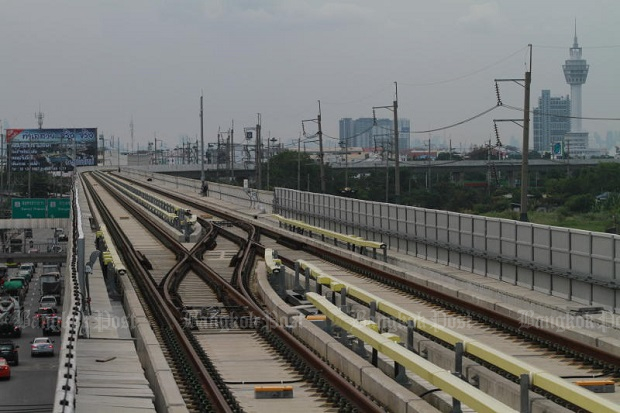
98 63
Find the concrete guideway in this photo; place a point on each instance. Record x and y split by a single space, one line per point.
494 293
111 376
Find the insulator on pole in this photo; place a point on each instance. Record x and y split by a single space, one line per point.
499 99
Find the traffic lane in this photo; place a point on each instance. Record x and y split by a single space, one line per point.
33 381
32 384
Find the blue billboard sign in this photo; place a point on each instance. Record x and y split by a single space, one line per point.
51 149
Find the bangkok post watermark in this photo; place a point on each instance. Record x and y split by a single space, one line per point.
558 323
435 320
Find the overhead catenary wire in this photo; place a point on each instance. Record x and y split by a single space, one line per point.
482 69
561 116
458 123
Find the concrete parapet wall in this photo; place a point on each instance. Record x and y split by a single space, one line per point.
279 310
168 398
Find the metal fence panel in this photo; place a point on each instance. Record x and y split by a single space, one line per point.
494 269
541 243
582 292
604 296
452 238
542 282
479 234
580 251
525 242
493 236
525 278
561 286
466 231
443 226
603 256
560 247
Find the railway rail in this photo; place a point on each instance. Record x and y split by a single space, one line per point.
600 359
207 389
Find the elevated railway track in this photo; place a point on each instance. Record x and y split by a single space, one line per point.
197 374
594 361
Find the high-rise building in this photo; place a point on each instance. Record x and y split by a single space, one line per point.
551 121
576 73
371 133
345 130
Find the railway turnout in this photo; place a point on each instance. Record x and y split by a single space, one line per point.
250 311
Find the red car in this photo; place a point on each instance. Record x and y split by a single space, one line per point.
5 369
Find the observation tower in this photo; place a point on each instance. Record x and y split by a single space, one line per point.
576 73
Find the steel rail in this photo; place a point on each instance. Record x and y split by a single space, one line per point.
149 288
346 389
546 337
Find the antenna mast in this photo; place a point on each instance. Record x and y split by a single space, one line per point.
39 117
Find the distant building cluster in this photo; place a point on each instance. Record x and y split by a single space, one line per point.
371 133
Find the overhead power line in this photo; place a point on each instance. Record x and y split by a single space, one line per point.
458 123
560 116
482 69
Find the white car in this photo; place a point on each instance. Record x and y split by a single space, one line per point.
48 301
41 346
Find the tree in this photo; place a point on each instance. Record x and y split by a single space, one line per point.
283 169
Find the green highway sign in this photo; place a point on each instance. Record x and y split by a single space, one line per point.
24 208
58 207
28 208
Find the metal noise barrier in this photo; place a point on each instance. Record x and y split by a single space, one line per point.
64 399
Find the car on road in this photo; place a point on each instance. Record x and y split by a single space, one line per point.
47 301
26 274
28 266
19 282
42 346
5 369
44 311
8 351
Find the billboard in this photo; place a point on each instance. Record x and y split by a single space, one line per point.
51 149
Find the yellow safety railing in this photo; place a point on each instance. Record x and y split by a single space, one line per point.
540 378
350 239
443 379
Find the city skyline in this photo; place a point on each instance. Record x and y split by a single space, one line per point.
148 64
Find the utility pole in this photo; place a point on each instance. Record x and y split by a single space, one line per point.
202 147
299 163
131 132
217 154
428 174
394 109
3 161
232 151
259 178
526 138
396 149
526 133
321 154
